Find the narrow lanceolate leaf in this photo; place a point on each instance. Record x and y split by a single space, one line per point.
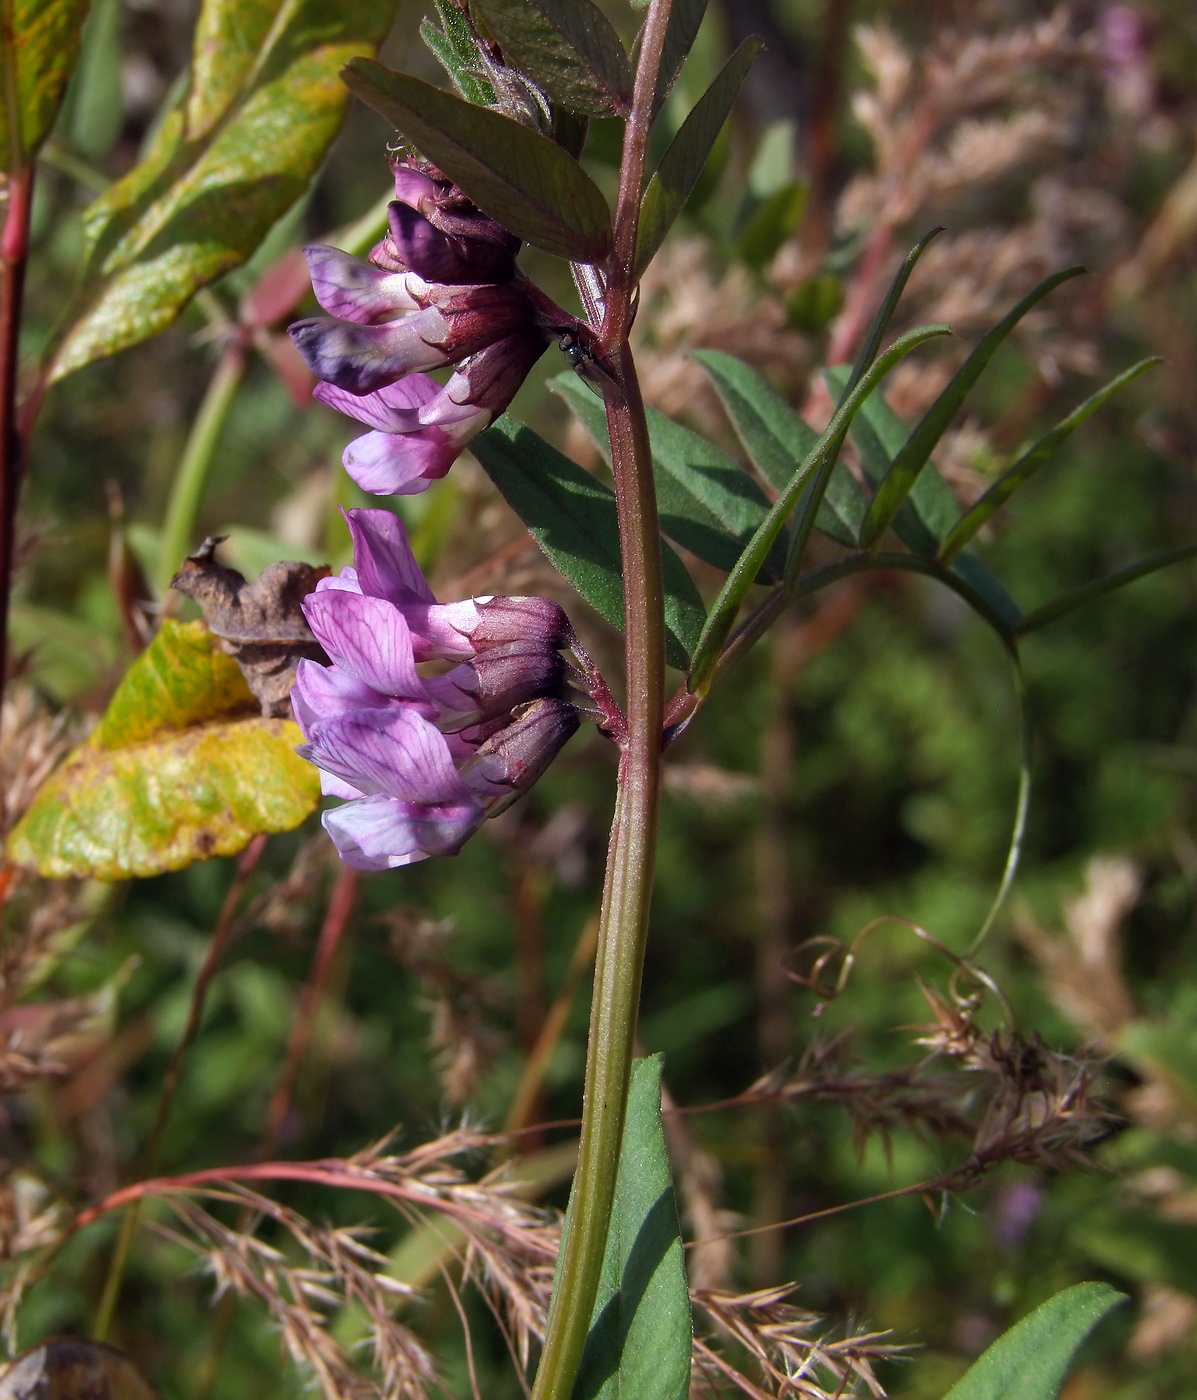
708 505
885 312
1090 592
1032 459
805 489
569 48
1030 1361
226 163
685 19
181 767
572 517
522 179
778 441
639 1339
456 50
918 447
931 510
39 42
674 180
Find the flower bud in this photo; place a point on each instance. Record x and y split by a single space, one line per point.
516 756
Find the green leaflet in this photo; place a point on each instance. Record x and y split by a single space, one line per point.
223 167
571 515
685 18
777 442
1030 1361
37 64
179 769
681 165
913 455
522 179
567 47
639 1340
708 505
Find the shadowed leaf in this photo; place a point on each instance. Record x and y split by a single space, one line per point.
681 30
681 165
571 515
1030 1361
567 47
639 1339
520 178
38 53
176 771
226 163
708 505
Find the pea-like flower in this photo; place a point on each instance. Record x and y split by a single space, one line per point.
441 289
423 760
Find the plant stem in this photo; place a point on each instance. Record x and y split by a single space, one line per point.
187 489
623 919
14 252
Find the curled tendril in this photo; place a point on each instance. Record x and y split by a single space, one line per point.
966 978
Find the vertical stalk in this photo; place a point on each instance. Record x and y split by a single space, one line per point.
623 919
14 252
188 487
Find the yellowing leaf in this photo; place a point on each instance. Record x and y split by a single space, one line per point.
179 769
39 43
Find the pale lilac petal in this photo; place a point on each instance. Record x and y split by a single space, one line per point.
344 582
369 638
457 708
395 408
331 786
386 566
442 630
351 289
399 464
414 187
361 359
322 691
378 833
395 751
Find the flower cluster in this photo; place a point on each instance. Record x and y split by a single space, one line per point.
441 289
423 759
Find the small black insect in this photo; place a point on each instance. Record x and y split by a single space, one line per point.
573 350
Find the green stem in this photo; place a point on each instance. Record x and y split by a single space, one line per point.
623 919
188 488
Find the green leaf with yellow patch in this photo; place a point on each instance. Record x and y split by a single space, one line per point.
180 768
39 42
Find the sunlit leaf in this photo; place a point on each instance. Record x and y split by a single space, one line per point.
181 767
1030 1361
456 51
1033 458
571 515
909 462
37 53
681 165
639 1339
223 167
707 504
567 47
522 179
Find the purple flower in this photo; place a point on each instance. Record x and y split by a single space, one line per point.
423 760
440 290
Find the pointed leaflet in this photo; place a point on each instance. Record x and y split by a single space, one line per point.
456 50
39 42
931 509
808 483
1030 1361
777 442
572 517
708 505
1032 459
226 163
682 163
639 1340
685 19
567 47
919 446
519 177
180 768
1087 592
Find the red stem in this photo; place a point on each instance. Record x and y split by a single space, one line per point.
14 253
